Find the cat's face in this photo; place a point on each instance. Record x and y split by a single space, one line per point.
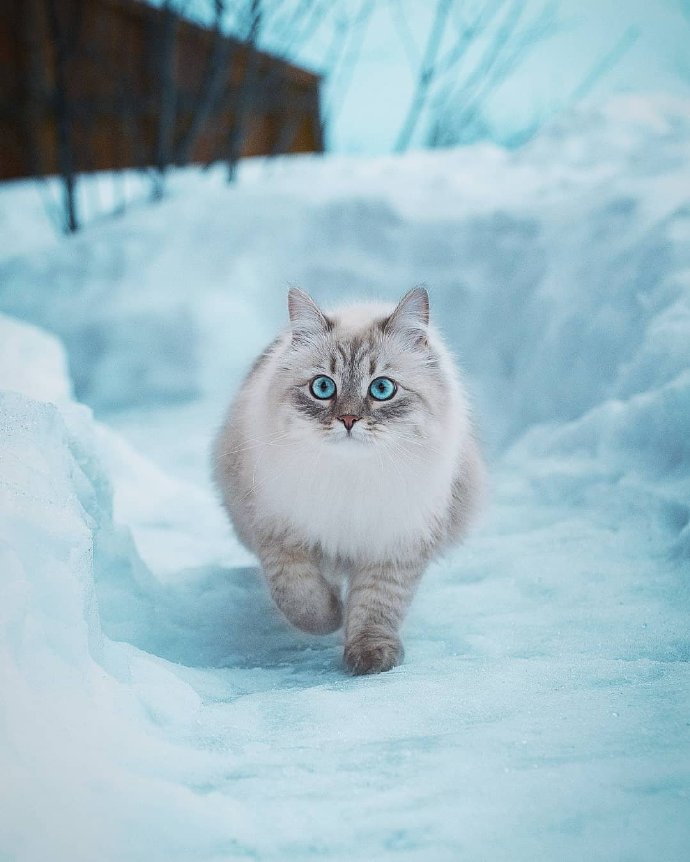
364 378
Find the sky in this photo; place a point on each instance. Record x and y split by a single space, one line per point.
367 95
368 115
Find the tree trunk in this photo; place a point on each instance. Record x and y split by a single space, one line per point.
167 107
247 90
211 90
63 116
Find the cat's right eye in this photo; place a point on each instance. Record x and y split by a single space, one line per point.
322 387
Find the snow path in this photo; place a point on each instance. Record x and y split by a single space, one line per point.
158 708
543 709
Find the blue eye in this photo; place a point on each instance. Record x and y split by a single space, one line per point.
382 389
322 387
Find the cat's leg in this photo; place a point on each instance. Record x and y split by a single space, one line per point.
378 598
299 589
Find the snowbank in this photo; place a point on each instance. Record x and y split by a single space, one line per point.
155 707
150 304
32 362
82 715
561 274
171 717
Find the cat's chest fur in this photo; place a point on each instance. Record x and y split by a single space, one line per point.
355 504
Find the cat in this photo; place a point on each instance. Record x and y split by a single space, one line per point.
348 459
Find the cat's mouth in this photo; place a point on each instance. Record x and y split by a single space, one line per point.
353 437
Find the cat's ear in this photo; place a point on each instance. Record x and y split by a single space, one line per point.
306 318
411 316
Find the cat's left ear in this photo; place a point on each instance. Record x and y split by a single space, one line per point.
306 317
411 316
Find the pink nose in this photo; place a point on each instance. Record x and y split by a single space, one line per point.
349 420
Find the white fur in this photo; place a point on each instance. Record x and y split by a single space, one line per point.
353 498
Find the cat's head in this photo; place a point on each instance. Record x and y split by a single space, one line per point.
364 375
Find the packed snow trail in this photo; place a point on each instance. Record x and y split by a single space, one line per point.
156 706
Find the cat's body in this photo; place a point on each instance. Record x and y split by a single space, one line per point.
348 458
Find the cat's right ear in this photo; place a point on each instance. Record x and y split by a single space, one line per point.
411 317
306 318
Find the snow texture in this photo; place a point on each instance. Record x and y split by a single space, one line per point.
156 707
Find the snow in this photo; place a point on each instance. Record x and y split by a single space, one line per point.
156 707
32 362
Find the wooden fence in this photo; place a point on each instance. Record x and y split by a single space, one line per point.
90 85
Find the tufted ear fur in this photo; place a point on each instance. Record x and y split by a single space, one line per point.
306 317
411 316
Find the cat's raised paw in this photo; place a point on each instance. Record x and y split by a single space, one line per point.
372 653
320 616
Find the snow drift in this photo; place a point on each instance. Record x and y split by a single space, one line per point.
81 715
154 705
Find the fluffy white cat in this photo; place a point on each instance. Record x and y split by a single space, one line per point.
346 463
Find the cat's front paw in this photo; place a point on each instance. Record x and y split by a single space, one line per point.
307 600
322 614
373 653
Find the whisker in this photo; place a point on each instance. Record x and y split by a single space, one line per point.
256 484
391 449
258 442
424 445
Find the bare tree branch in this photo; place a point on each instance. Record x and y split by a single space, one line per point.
246 91
211 86
493 64
397 12
604 64
354 40
282 36
506 39
167 108
467 34
426 75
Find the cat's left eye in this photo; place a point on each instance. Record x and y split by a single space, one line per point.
382 389
322 387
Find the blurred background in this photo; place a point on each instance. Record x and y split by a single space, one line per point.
106 85
167 168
